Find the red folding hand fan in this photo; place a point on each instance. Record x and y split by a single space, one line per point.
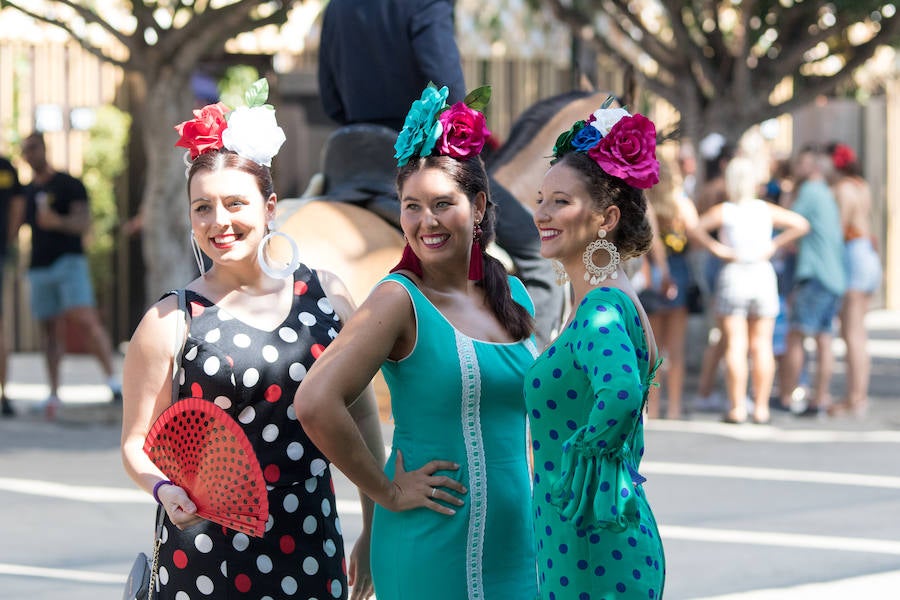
203 450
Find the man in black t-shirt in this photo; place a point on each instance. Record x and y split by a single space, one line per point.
11 199
61 290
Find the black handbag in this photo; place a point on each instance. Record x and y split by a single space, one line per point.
137 586
142 577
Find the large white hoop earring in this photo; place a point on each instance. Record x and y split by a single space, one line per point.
198 254
597 274
290 267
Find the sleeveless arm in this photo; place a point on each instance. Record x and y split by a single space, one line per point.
598 477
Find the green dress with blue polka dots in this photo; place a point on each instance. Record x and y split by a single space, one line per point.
596 535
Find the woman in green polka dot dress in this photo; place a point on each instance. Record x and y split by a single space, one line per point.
596 535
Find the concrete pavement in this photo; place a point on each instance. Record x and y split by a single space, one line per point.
85 396
721 493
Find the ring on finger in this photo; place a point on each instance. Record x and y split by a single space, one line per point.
433 492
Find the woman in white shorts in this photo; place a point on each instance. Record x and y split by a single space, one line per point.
747 291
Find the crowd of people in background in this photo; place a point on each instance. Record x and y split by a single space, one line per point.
770 257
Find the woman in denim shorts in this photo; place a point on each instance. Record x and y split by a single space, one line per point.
863 267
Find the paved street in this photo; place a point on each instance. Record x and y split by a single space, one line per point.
800 509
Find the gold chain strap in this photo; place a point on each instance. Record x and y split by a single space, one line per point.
154 568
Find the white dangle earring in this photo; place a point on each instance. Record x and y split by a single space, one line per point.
597 274
289 267
198 254
562 278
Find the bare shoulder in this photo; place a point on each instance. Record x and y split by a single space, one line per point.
337 293
388 299
155 333
686 208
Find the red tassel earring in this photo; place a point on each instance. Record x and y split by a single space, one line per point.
408 262
476 261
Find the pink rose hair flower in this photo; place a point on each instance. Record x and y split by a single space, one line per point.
465 132
628 151
204 131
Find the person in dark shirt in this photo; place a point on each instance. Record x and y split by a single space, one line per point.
11 199
375 56
57 211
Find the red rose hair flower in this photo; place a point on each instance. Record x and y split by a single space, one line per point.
204 131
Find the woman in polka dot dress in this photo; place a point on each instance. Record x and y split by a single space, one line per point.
251 339
596 535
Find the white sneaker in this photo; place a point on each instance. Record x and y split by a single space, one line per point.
799 400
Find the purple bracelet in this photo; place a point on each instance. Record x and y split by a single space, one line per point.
158 485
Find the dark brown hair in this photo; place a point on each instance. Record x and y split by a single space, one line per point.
471 177
226 159
633 234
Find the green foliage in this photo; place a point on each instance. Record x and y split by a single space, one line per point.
478 98
236 82
104 161
257 94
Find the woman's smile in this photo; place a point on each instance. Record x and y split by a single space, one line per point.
224 241
435 241
549 234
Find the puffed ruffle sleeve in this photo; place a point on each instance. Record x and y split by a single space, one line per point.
598 476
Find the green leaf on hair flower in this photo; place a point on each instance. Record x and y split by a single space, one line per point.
258 93
478 98
608 102
564 141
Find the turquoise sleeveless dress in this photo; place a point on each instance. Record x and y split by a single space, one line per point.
596 535
460 399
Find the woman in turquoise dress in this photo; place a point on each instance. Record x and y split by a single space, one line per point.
596 535
452 334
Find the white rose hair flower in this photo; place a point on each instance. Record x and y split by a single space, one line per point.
253 133
250 131
605 118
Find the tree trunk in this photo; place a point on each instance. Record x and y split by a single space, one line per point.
166 217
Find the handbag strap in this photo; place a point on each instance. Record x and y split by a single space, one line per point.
157 542
181 327
180 339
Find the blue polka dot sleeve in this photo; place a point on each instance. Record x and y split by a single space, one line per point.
598 477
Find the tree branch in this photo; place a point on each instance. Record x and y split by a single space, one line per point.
662 54
229 19
685 42
144 16
92 17
206 25
66 27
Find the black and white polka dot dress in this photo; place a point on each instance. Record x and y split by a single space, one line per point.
253 374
